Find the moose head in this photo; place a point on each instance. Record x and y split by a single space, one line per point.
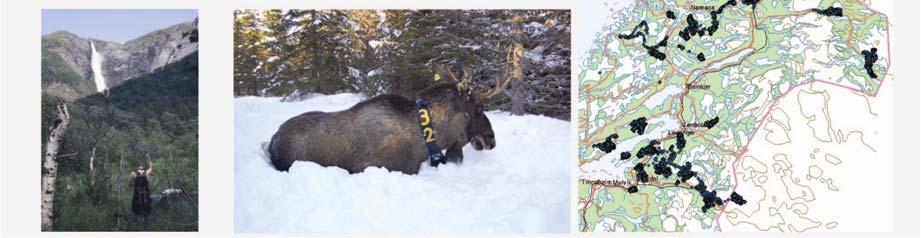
479 129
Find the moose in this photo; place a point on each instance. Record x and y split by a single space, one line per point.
384 131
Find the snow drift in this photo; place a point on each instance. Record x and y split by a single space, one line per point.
521 186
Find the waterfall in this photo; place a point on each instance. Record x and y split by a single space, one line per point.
96 62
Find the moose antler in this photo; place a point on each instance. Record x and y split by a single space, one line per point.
448 69
500 87
466 78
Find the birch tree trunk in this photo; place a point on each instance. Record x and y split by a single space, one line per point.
118 192
50 166
92 170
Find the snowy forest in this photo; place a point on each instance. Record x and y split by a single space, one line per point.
298 53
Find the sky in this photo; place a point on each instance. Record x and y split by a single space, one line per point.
116 25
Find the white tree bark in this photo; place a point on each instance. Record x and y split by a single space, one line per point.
118 191
50 166
92 170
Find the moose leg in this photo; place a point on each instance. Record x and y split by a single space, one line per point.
455 153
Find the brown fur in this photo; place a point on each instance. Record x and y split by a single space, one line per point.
382 131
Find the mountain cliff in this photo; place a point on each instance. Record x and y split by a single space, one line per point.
148 52
67 58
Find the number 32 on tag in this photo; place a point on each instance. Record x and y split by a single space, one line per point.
426 128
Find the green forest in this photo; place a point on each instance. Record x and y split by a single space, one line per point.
522 57
110 133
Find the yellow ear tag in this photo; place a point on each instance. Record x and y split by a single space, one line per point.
437 77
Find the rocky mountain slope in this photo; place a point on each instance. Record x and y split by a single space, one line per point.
120 61
148 52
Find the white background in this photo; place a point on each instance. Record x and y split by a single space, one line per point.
20 94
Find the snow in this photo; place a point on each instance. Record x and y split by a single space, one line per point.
96 64
521 186
354 72
295 28
374 72
375 43
535 28
535 54
471 46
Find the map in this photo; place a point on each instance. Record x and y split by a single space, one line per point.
734 115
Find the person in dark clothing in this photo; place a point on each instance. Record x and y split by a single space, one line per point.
140 203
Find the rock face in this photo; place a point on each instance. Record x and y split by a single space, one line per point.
66 66
122 62
75 51
148 52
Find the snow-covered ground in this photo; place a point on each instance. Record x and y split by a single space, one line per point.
521 186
